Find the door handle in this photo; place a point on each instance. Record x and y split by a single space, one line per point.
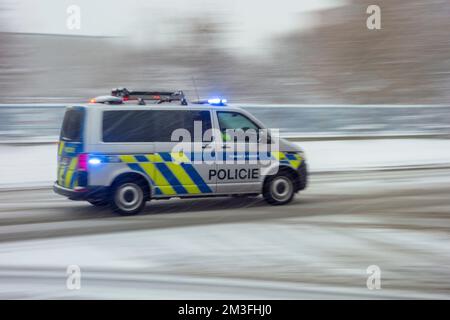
225 146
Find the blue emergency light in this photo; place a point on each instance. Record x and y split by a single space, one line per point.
95 161
217 102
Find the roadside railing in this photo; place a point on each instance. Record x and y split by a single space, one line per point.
40 123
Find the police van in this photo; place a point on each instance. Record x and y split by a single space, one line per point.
120 151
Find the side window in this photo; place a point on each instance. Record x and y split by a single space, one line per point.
127 126
188 120
72 126
229 121
164 123
234 121
204 118
152 125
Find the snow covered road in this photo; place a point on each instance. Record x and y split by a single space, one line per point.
320 246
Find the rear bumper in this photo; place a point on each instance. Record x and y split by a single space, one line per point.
93 192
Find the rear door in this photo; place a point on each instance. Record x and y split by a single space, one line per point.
70 146
173 166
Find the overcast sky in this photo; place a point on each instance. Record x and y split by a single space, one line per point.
251 21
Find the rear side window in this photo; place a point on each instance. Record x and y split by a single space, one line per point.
72 127
151 125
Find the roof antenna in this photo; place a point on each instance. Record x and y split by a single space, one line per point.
195 86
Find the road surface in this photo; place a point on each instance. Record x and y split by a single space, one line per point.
320 246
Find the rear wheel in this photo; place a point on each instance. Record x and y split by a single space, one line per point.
128 197
279 189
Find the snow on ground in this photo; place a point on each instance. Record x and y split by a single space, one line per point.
36 165
265 265
367 154
27 165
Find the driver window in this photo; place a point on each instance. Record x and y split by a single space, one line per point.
234 121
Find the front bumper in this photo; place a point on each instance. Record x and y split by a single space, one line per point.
303 176
94 192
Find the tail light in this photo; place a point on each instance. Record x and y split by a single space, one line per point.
83 162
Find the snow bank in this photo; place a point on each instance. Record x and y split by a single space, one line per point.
375 154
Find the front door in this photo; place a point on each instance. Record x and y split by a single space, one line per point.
238 169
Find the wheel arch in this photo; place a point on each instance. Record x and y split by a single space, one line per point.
137 177
285 169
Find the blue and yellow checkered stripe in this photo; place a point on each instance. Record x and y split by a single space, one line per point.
174 174
169 173
292 159
67 176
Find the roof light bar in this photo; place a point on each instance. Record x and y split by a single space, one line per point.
217 102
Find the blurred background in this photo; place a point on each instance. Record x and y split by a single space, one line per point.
370 108
313 52
252 52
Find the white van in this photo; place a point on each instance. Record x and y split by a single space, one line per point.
123 155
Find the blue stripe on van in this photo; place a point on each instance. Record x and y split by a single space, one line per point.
170 177
74 178
198 180
141 158
166 156
137 167
290 156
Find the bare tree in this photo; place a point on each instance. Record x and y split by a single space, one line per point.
407 61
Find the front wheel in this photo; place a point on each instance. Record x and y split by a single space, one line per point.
127 198
279 189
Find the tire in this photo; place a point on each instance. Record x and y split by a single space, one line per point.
98 202
127 197
279 189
